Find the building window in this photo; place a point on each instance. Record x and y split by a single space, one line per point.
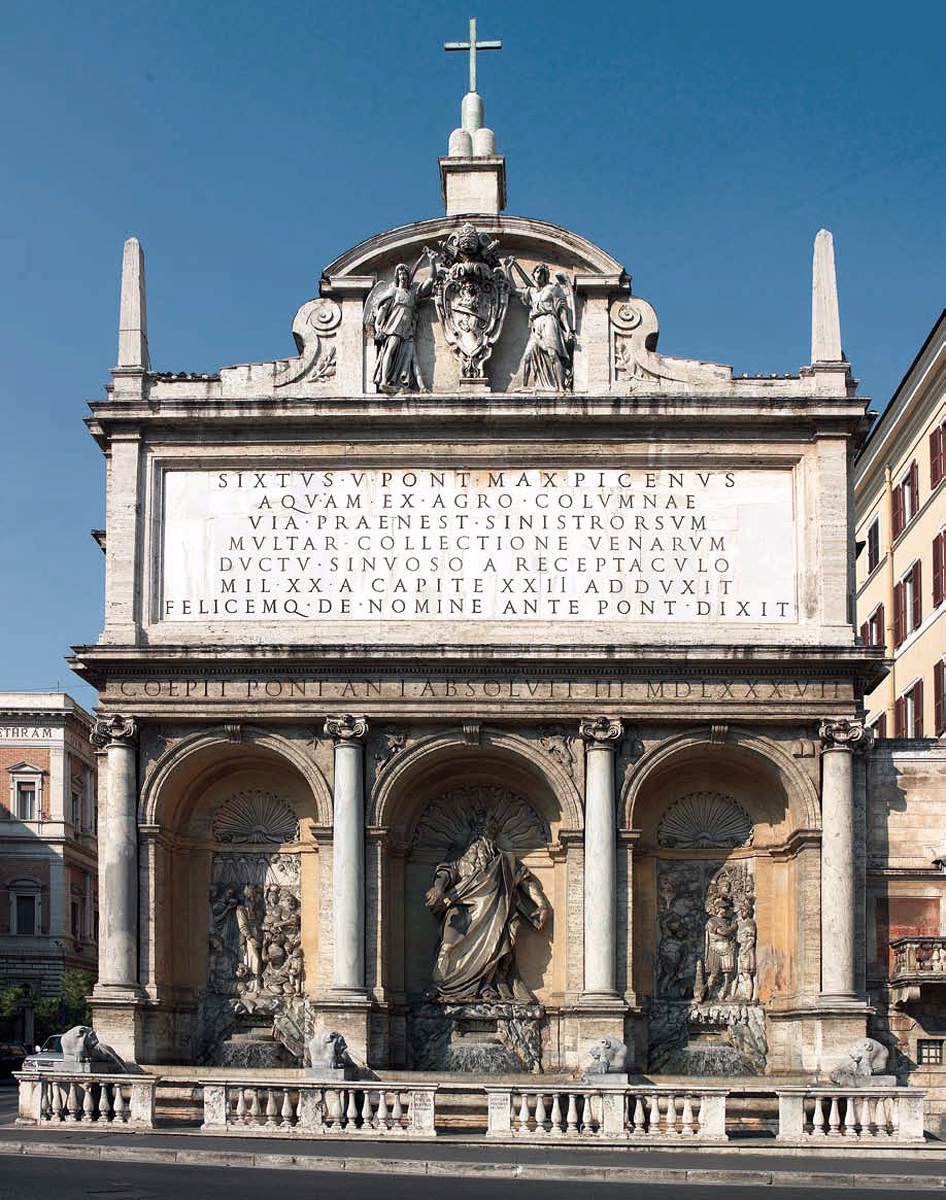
907 604
938 455
25 912
909 712
880 726
929 1052
872 631
939 568
76 915
873 545
76 810
906 500
26 800
939 697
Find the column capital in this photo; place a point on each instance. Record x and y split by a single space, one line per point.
845 734
113 729
346 730
601 733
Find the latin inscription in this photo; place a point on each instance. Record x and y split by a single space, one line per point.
484 545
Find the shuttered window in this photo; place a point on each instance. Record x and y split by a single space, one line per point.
939 568
899 616
908 712
873 545
939 697
937 454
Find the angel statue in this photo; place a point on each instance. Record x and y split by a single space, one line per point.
550 351
391 315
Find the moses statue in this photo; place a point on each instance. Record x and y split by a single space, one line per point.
483 898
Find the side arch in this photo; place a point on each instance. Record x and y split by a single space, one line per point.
204 746
762 753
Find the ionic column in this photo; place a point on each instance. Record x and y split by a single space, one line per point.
348 852
601 736
839 740
118 856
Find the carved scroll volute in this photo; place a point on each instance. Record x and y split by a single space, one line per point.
113 728
601 733
845 734
314 329
346 729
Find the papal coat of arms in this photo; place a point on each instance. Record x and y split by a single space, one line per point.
471 295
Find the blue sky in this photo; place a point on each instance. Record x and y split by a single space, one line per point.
247 144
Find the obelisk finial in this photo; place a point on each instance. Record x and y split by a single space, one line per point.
133 317
825 316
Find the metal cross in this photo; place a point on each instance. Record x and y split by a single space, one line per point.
472 45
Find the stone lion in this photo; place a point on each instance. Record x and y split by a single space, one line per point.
865 1058
608 1057
81 1044
329 1050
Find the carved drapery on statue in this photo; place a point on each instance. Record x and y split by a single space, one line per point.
479 1014
391 312
548 360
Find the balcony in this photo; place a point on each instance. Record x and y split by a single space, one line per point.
917 962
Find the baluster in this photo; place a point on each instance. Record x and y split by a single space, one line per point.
638 1114
834 1117
540 1114
572 1115
397 1112
893 1109
367 1112
654 1125
849 1124
254 1106
383 1122
584 1109
699 1115
671 1113
88 1104
333 1103
686 1118
558 1126
351 1113
818 1124
286 1112
241 1106
270 1108
57 1102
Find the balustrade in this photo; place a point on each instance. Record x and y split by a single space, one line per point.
576 1111
101 1100
844 1114
373 1110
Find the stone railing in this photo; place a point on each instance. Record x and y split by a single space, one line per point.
578 1111
814 1115
923 957
61 1098
381 1109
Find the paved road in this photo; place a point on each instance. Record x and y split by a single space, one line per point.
29 1178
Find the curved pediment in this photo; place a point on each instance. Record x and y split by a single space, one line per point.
546 242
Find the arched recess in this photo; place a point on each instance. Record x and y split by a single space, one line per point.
410 771
267 782
180 765
774 861
448 769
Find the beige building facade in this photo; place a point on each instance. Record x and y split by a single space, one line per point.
48 845
478 681
900 504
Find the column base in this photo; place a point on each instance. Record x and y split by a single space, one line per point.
116 1018
348 1013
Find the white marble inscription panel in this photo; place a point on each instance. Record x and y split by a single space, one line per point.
487 545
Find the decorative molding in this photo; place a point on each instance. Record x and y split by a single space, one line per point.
472 732
448 821
601 733
557 744
718 733
113 729
346 729
255 816
701 820
845 734
387 744
234 732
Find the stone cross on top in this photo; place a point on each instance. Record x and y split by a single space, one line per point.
472 46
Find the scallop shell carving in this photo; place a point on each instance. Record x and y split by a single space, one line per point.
448 821
703 819
255 816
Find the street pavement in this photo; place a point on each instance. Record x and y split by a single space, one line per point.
29 1178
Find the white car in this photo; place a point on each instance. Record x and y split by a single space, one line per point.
46 1057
